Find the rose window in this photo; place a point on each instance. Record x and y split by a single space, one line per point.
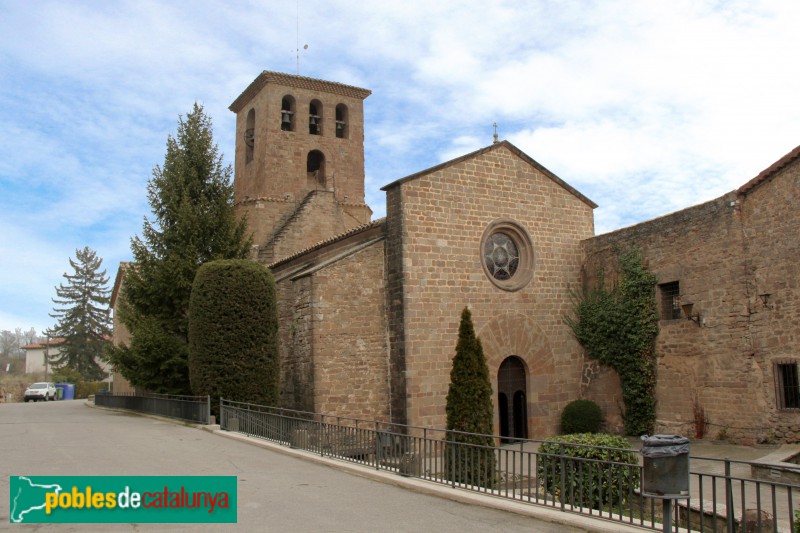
501 256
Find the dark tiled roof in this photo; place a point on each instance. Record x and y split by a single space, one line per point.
773 169
299 82
522 155
326 242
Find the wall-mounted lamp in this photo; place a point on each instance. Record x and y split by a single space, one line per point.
765 299
687 310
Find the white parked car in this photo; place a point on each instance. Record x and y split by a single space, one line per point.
41 391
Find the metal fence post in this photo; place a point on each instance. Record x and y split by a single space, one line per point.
424 453
378 457
729 496
208 408
563 488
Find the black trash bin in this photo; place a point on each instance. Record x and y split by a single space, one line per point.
665 466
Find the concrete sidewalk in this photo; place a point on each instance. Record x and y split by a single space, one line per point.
563 521
708 459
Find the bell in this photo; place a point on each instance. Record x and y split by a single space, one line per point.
286 117
313 120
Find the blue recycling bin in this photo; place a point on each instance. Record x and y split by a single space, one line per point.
67 390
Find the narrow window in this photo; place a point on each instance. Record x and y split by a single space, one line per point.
250 135
287 113
315 166
315 118
670 300
787 385
341 121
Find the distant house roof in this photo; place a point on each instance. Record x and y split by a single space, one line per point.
300 82
770 171
513 149
41 345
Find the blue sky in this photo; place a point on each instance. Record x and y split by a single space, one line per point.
645 107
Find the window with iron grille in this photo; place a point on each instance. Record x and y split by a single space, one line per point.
670 300
787 385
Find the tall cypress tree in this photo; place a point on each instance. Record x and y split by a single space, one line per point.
470 411
83 316
191 198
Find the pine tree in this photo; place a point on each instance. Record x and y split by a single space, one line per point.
470 411
83 318
191 198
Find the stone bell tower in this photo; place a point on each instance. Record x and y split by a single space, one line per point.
299 161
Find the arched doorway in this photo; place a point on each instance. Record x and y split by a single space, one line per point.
512 398
502 404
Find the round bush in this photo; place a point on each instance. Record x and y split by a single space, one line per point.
599 471
581 416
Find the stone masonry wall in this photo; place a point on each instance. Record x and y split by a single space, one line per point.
770 212
395 304
270 186
295 329
263 216
717 378
350 344
120 334
279 157
318 219
444 215
699 368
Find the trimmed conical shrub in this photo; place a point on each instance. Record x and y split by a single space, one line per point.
470 447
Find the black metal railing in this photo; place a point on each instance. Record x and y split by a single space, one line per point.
725 496
190 408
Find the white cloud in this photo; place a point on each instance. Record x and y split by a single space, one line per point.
644 107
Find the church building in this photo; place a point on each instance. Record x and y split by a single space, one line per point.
369 309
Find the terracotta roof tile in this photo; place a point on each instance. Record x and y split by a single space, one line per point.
299 82
39 345
773 169
326 242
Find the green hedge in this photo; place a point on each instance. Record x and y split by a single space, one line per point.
233 333
581 416
598 470
83 389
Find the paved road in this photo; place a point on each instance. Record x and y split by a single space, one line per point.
276 492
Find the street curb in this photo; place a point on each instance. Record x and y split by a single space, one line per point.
553 516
